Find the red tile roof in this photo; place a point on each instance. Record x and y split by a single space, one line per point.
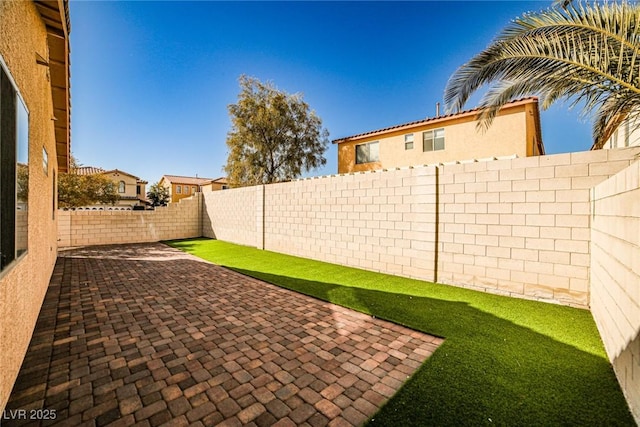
431 119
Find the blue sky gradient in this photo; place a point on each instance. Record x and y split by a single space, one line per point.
151 81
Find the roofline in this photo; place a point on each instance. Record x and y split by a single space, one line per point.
55 15
122 172
434 120
182 176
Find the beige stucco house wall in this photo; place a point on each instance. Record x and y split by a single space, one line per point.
626 135
34 53
515 131
181 187
131 189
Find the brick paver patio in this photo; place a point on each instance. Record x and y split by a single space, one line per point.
146 335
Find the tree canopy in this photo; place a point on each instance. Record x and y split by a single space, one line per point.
587 53
158 195
274 136
83 190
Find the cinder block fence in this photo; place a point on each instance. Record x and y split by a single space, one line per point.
563 228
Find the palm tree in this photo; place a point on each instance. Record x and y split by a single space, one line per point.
586 53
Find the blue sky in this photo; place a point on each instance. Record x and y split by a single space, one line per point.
151 81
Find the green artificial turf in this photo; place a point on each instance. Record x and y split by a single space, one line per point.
504 361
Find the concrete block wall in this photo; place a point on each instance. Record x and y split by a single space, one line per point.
233 215
522 226
519 227
381 221
174 221
615 276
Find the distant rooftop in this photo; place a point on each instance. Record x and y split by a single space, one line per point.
189 180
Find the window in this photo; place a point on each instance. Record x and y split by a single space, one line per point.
224 187
433 140
121 187
408 141
14 172
138 190
179 189
45 161
367 153
193 190
186 189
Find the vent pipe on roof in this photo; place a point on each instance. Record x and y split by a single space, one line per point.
437 109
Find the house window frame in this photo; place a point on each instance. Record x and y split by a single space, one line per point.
122 187
16 144
368 157
408 141
178 189
430 139
194 189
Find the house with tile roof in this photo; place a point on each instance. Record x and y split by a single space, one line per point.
131 189
443 139
186 186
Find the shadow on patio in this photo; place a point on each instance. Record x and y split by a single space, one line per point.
148 334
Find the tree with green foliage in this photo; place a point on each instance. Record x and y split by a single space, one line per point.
274 136
587 53
83 190
158 195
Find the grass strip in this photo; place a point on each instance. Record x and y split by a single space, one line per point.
505 361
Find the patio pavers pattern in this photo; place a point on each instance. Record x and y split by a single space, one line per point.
147 335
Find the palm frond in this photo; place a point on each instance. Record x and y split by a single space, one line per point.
583 53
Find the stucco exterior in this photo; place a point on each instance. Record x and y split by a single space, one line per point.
515 131
133 192
181 187
626 135
25 41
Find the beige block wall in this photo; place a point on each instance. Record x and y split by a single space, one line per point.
24 284
381 221
522 226
615 276
232 215
517 227
175 221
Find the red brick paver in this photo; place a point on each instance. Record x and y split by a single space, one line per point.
148 335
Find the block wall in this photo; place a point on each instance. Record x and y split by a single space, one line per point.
615 276
522 226
175 221
381 221
518 227
233 215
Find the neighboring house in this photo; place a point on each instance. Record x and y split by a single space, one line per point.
183 186
454 137
626 135
216 185
131 189
34 149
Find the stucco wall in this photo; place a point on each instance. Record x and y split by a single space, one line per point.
23 285
512 133
615 276
175 221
